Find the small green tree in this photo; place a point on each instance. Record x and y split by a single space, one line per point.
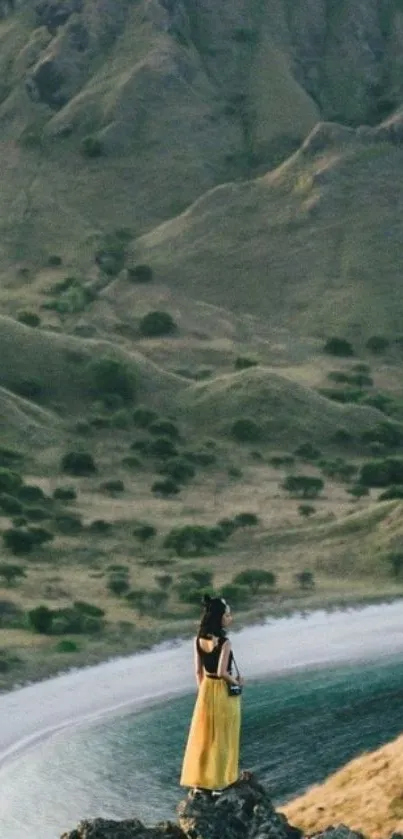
246 430
10 481
338 346
162 447
305 579
255 579
391 493
112 486
18 541
157 324
165 488
139 274
91 146
80 464
377 344
358 491
109 375
10 505
29 318
164 581
164 428
307 451
144 532
179 469
118 584
303 485
143 417
306 510
244 363
246 519
41 619
11 573
395 558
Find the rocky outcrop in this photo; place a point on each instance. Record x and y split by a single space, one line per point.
244 811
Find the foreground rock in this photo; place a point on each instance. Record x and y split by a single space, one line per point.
244 811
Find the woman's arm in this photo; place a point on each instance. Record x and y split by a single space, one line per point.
198 665
222 670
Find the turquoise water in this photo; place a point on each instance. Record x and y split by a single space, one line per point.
296 730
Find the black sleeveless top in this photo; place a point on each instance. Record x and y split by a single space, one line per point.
210 660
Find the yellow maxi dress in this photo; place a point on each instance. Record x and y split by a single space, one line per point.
211 759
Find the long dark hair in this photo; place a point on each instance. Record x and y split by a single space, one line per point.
211 622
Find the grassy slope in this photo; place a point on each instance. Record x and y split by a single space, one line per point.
366 795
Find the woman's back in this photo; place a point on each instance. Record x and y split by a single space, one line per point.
209 648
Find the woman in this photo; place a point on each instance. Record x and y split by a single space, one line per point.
211 760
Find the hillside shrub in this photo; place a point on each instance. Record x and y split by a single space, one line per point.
157 324
256 579
112 486
338 346
358 491
338 376
68 523
395 559
143 417
29 318
344 396
307 451
11 615
201 457
131 462
91 146
162 447
342 437
303 485
39 536
32 494
140 274
145 532
9 457
338 469
89 609
164 428
40 619
279 461
235 472
36 513
165 488
179 469
394 491
387 433
10 482
111 376
164 581
10 573
193 540
80 464
146 601
246 519
18 541
306 510
112 252
10 505
382 473
377 344
66 645
244 363
100 526
246 430
65 493
305 579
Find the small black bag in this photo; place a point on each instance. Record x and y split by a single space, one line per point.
234 690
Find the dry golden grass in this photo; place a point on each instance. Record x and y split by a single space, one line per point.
366 795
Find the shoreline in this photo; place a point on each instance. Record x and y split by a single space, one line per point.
271 648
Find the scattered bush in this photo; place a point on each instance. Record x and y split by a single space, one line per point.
131 462
118 584
41 619
66 493
66 645
342 396
89 609
113 485
243 363
246 519
100 526
83 427
80 464
162 447
69 523
11 573
358 491
306 510
164 428
39 536
9 456
156 324
342 437
111 376
28 388
112 252
121 419
164 581
54 261
377 344
227 526
338 469
381 473
235 472
179 469
193 540
10 482
395 558
146 601
18 541
32 494
305 579
278 461
36 513
338 376
91 146
390 493
165 488
200 458
10 505
246 430
144 417
387 433
140 274
338 346
303 485
145 532
29 318
11 615
255 579
307 451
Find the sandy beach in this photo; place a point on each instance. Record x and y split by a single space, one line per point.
32 713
